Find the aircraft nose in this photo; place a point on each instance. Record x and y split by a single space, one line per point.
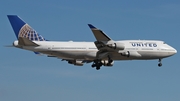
173 52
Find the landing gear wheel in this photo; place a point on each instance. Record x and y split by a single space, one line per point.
160 64
97 64
98 68
93 65
109 60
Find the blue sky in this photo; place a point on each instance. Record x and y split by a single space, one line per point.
25 76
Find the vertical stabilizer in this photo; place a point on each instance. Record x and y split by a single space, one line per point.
22 29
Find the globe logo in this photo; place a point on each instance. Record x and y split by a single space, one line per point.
29 33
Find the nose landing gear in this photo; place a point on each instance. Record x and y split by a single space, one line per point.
159 64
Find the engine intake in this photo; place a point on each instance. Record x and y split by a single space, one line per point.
116 45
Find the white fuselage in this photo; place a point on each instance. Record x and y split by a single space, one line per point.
138 49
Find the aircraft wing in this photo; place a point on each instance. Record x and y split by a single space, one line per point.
77 62
101 42
69 60
104 43
99 35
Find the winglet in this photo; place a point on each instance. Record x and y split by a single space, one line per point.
99 35
22 29
91 26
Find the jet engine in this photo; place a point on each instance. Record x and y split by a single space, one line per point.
131 54
75 62
116 45
106 63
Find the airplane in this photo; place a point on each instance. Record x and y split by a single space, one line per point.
102 52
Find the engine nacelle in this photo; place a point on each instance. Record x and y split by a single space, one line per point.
105 63
116 45
131 54
76 63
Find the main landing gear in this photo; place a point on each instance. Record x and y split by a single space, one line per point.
159 64
109 61
98 63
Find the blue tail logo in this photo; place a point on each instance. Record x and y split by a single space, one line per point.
22 29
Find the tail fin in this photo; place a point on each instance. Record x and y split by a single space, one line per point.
22 29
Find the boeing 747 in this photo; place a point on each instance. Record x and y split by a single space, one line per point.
102 52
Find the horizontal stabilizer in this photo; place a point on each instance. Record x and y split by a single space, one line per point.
26 42
8 46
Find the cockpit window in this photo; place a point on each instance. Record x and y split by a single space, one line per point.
164 43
